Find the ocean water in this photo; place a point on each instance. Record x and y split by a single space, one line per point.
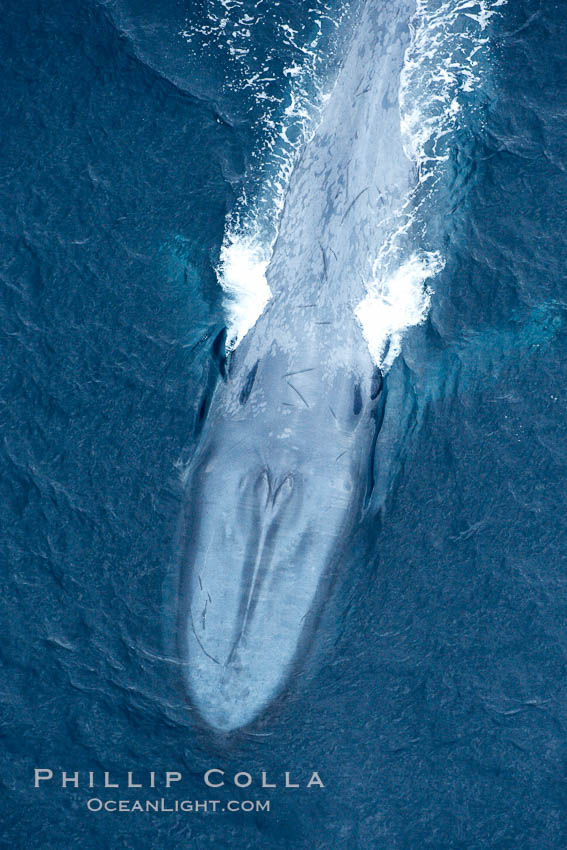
148 152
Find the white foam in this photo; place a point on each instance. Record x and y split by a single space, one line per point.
394 304
443 68
443 65
242 272
286 122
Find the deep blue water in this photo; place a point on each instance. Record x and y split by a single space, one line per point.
436 708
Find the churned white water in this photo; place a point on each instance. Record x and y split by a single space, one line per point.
399 302
443 70
242 273
444 66
304 55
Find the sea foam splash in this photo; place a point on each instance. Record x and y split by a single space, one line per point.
397 303
283 70
285 86
444 67
242 273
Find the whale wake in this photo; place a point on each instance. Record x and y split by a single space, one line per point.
441 82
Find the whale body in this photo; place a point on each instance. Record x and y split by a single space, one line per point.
285 463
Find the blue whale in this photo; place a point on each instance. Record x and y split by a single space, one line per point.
285 462
278 482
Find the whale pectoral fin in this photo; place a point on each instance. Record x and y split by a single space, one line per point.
203 405
378 415
396 415
219 352
376 383
378 395
212 369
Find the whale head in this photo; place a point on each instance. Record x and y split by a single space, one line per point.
275 488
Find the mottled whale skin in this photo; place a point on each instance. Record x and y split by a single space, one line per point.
284 465
275 488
